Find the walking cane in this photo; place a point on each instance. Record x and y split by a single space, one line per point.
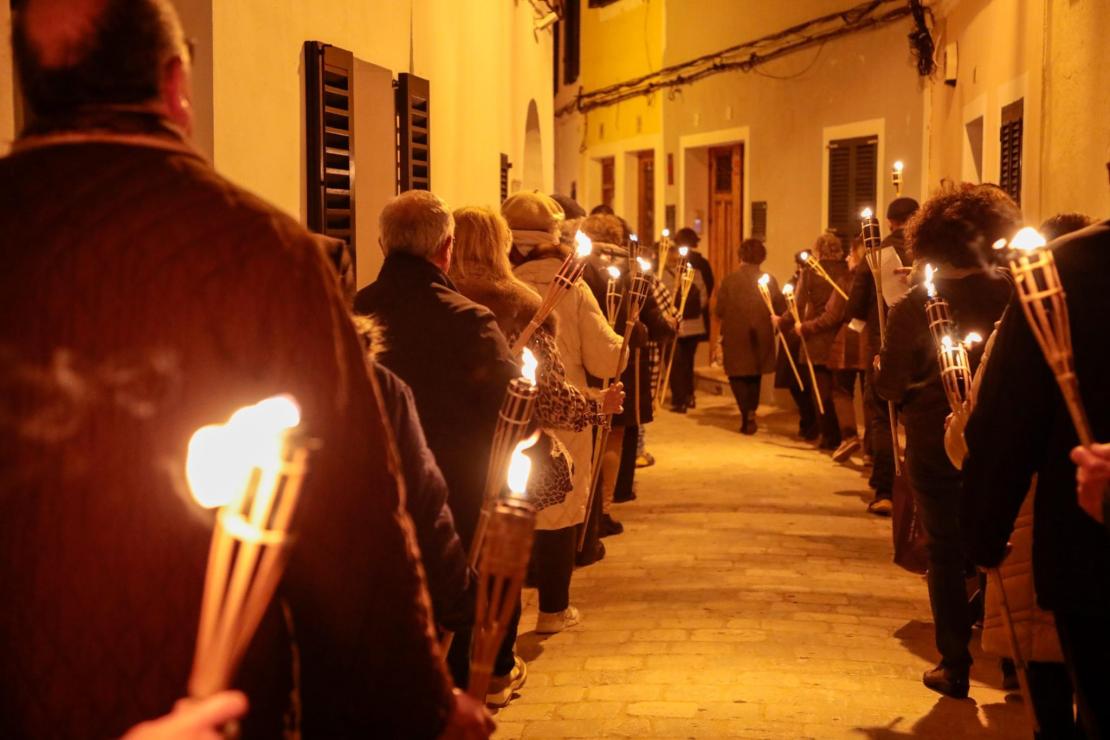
1015 650
872 241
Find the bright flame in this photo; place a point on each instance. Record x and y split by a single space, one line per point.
634 238
788 289
584 245
645 265
866 214
528 366
520 466
683 251
765 280
946 341
972 339
898 166
221 456
929 287
666 233
614 272
1000 244
804 256
1028 239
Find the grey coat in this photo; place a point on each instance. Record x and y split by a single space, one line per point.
747 337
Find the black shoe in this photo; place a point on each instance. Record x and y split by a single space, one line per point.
1009 675
678 409
748 426
947 681
692 403
587 557
609 526
620 497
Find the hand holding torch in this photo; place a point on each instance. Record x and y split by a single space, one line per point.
569 273
765 292
813 264
792 304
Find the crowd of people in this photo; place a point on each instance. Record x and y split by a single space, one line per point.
145 296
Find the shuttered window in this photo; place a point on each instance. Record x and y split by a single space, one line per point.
414 154
572 35
853 182
759 219
329 133
1010 135
608 181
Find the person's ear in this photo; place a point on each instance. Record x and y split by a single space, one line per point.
177 94
446 251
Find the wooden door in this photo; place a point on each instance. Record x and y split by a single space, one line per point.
645 198
726 214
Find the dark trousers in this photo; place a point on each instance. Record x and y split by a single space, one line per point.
627 473
1051 689
808 423
830 426
1085 639
553 555
682 372
937 487
844 393
882 444
746 388
458 657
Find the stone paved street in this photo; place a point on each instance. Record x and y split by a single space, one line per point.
750 596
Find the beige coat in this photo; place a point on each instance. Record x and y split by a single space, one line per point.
587 345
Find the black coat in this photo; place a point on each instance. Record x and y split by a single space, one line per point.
653 326
861 297
698 261
1021 427
450 352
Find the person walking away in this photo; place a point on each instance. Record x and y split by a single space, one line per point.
748 330
143 297
863 315
1071 557
692 330
687 237
849 358
953 232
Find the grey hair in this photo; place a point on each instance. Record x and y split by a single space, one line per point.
416 222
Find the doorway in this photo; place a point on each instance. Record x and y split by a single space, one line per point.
645 195
726 215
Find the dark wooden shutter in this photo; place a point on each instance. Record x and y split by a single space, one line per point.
759 219
1010 135
414 153
506 165
329 133
572 41
853 182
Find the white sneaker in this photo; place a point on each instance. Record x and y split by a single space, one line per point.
551 622
502 688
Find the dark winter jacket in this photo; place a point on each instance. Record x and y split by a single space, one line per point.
142 297
698 261
747 336
1020 427
452 355
819 325
654 327
861 297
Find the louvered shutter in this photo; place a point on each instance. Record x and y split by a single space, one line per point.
329 133
506 165
853 183
759 219
1010 135
414 153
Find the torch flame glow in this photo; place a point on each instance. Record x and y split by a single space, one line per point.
666 233
528 366
1028 239
1000 244
645 265
614 272
804 256
899 166
583 245
221 456
946 341
765 280
634 238
972 339
929 287
788 289
683 251
866 214
520 466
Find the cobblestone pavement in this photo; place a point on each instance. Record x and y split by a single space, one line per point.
750 596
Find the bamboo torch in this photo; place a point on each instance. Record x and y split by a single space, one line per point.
765 291
572 268
251 468
664 253
815 265
1046 310
872 242
613 295
896 177
505 555
681 296
792 304
637 296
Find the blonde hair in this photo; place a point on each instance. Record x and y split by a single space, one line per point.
482 242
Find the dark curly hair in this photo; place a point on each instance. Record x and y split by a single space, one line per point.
752 251
959 224
1064 223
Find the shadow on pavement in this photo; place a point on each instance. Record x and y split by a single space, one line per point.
950 718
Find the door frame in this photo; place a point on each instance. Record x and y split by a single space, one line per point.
721 137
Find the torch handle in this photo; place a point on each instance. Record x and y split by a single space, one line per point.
892 412
1015 649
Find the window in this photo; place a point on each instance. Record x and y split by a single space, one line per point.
645 167
414 153
974 130
329 132
759 219
853 182
608 181
1010 135
571 41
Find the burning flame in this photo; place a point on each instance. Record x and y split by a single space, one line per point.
614 272
972 339
946 341
583 245
898 166
929 287
1028 239
866 214
788 289
765 280
666 233
683 251
520 466
221 456
804 256
634 238
645 265
528 366
1000 244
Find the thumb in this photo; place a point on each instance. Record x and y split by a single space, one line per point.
216 710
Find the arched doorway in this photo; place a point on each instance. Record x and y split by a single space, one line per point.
531 176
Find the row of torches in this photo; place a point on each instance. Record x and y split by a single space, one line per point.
251 468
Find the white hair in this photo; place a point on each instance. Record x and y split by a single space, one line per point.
417 222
